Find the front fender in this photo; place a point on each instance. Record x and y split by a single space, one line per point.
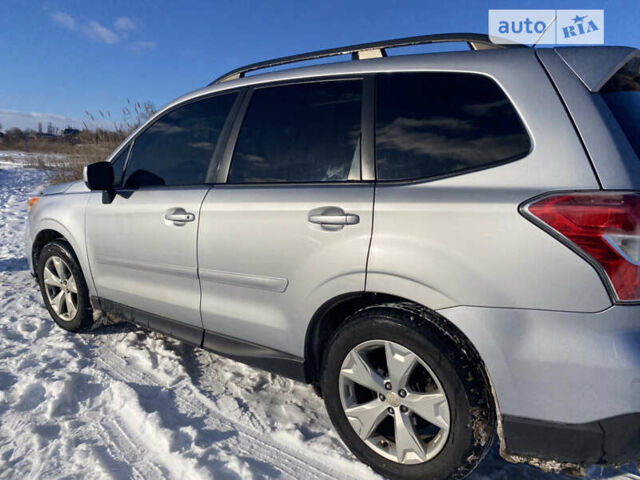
64 214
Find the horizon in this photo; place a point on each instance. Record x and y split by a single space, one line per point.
69 58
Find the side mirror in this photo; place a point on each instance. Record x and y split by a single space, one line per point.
99 176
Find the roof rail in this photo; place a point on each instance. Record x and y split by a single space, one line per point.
363 51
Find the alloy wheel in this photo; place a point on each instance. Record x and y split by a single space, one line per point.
61 288
394 402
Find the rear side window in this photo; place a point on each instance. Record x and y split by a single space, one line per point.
622 95
177 149
435 124
300 133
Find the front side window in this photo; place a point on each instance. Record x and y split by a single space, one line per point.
176 150
433 124
300 133
622 94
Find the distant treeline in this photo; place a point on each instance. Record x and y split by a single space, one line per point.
79 146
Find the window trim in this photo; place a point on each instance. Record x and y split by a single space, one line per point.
116 155
417 180
367 174
240 91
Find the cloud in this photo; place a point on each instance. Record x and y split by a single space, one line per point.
94 30
64 20
124 24
98 32
141 47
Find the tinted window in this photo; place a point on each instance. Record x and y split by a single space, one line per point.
432 124
177 148
300 133
118 166
622 94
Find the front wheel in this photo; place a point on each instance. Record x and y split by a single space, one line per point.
63 287
404 398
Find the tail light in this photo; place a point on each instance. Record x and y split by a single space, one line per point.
604 227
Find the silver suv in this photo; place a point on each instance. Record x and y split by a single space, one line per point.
446 245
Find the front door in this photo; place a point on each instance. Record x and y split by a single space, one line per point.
142 245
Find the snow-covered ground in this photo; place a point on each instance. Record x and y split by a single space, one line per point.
123 403
30 158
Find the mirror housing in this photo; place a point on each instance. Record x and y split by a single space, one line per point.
99 176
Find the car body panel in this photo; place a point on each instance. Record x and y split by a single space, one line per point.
450 242
64 214
140 259
264 267
558 366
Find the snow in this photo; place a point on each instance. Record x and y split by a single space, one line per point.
31 159
120 402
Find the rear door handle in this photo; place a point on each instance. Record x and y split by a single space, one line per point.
178 216
346 219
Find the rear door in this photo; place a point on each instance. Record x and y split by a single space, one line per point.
142 246
291 226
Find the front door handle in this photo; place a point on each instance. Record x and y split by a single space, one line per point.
346 219
178 216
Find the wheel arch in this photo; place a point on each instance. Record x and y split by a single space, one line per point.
336 312
43 237
50 230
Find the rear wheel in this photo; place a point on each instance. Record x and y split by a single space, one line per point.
404 398
63 287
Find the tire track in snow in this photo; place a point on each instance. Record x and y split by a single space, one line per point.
193 402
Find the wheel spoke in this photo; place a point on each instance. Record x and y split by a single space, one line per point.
400 362
51 279
409 447
71 284
430 406
71 308
57 263
366 417
56 302
356 369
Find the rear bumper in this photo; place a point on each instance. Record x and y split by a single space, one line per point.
567 384
613 440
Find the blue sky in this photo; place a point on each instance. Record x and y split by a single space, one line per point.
68 57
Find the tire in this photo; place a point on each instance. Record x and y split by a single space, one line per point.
54 254
446 364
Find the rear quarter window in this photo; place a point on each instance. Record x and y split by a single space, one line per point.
435 124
